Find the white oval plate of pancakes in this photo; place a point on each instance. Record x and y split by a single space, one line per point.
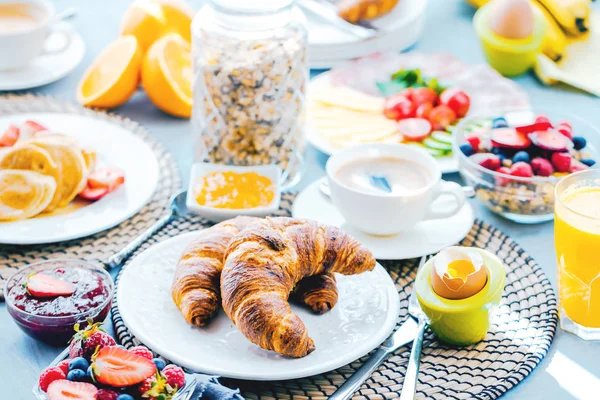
115 147
363 318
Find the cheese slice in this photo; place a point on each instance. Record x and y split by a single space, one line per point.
344 97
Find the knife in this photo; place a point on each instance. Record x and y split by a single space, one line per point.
403 335
330 15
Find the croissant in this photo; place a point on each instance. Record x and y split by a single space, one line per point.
263 264
196 284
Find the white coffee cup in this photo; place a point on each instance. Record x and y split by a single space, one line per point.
390 213
21 47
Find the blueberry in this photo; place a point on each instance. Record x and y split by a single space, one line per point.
160 364
79 363
499 122
579 142
467 149
77 375
521 156
125 397
588 161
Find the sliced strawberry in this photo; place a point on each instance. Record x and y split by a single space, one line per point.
68 390
30 128
106 177
10 136
486 160
536 126
93 194
414 128
551 140
42 285
118 367
509 138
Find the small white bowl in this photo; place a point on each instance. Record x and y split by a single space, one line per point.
213 214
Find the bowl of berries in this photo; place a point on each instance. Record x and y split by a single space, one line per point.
94 367
514 159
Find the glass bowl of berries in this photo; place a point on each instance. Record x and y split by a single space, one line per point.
513 159
46 299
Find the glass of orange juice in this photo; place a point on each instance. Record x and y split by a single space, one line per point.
577 242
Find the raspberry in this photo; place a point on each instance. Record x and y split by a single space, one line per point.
492 162
146 385
521 169
561 161
142 352
542 167
106 394
50 375
97 340
174 375
501 180
64 366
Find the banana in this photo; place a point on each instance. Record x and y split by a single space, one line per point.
572 15
555 40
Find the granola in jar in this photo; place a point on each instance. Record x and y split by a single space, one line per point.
249 91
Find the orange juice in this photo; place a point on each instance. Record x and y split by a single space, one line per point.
577 241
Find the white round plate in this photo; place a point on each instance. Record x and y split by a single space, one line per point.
45 69
364 316
398 30
115 146
427 237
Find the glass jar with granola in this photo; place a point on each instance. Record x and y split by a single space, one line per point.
250 73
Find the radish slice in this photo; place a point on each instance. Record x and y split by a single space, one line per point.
414 129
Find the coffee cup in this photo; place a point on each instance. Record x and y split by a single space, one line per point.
412 184
25 27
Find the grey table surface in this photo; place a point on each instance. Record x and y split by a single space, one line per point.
570 370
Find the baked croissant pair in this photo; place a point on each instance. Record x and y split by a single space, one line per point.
250 266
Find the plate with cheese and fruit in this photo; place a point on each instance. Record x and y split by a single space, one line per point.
411 98
65 176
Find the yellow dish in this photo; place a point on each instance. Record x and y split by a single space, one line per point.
510 57
462 322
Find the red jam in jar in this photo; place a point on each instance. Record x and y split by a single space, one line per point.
51 317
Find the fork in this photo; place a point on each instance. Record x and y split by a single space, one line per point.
414 362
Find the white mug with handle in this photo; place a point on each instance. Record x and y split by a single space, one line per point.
21 44
392 213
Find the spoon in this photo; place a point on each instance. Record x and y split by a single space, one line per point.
177 209
325 191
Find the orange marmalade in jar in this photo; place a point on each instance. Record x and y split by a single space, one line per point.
233 190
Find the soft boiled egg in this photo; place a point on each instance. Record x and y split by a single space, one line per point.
512 19
458 273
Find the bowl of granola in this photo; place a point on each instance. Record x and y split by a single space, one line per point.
513 159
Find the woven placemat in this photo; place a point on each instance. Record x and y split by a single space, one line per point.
102 245
519 338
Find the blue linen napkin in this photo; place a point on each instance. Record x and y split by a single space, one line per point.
209 388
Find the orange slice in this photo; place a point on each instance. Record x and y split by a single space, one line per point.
113 77
167 75
148 20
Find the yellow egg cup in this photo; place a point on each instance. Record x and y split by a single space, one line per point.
462 322
510 57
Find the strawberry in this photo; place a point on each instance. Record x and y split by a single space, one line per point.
521 169
174 375
106 178
107 394
500 180
142 352
93 194
95 342
64 366
50 375
564 128
474 140
77 347
30 128
67 390
542 167
10 136
43 285
118 367
561 161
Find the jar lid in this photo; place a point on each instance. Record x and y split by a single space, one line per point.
251 7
